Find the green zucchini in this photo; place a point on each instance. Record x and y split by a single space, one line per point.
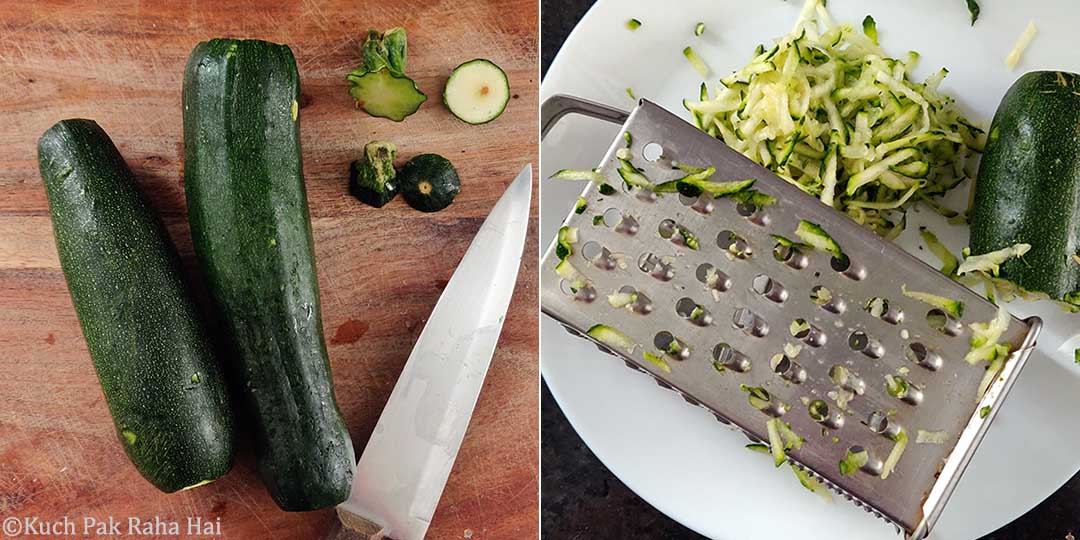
1028 188
429 182
372 177
380 86
144 332
477 91
249 224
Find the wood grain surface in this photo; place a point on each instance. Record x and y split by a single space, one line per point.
380 271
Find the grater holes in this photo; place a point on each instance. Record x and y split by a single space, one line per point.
808 333
790 256
770 288
918 353
820 413
669 229
872 466
880 308
726 357
902 389
848 269
640 304
752 213
694 312
671 345
787 369
734 246
666 229
942 322
652 152
598 255
612 217
712 278
584 294
843 377
748 322
879 423
824 297
861 342
655 267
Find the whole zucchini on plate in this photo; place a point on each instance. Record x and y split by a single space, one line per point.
146 337
249 222
1028 188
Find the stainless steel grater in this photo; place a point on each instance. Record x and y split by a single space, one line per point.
731 303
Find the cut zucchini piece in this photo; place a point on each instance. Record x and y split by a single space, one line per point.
567 238
813 235
379 85
385 95
429 182
991 262
658 361
949 262
581 205
633 177
372 178
1022 43
776 442
900 443
573 174
612 337
477 91
985 337
952 307
699 29
696 62
633 24
853 461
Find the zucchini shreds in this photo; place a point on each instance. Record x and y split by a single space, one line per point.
1076 356
949 262
954 308
900 443
605 189
581 205
696 62
991 262
810 483
776 442
633 24
828 111
869 28
984 412
985 337
612 337
699 29
657 361
572 276
566 239
853 461
630 92
758 447
1022 43
572 174
816 237
931 437
973 9
621 300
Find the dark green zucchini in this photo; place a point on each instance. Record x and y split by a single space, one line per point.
371 178
249 222
1028 188
429 182
146 337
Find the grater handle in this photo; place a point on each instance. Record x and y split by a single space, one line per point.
560 105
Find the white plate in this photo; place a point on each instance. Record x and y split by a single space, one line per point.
677 457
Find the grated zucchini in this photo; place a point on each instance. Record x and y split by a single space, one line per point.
1022 43
828 111
952 307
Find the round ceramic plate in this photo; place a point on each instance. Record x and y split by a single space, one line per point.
677 457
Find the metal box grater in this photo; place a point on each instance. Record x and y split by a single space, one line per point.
748 310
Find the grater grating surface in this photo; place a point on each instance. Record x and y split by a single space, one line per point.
614 256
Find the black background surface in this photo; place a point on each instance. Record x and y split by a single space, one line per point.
581 499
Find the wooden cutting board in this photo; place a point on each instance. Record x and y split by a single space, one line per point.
380 270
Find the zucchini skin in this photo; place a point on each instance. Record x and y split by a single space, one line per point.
147 339
247 207
1028 187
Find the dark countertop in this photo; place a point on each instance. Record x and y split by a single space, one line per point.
581 499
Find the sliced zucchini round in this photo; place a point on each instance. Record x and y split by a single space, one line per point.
429 182
477 91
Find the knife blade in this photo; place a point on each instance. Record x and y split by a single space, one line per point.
403 469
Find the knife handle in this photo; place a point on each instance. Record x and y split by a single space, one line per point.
366 529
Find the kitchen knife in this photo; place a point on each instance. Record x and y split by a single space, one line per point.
403 470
